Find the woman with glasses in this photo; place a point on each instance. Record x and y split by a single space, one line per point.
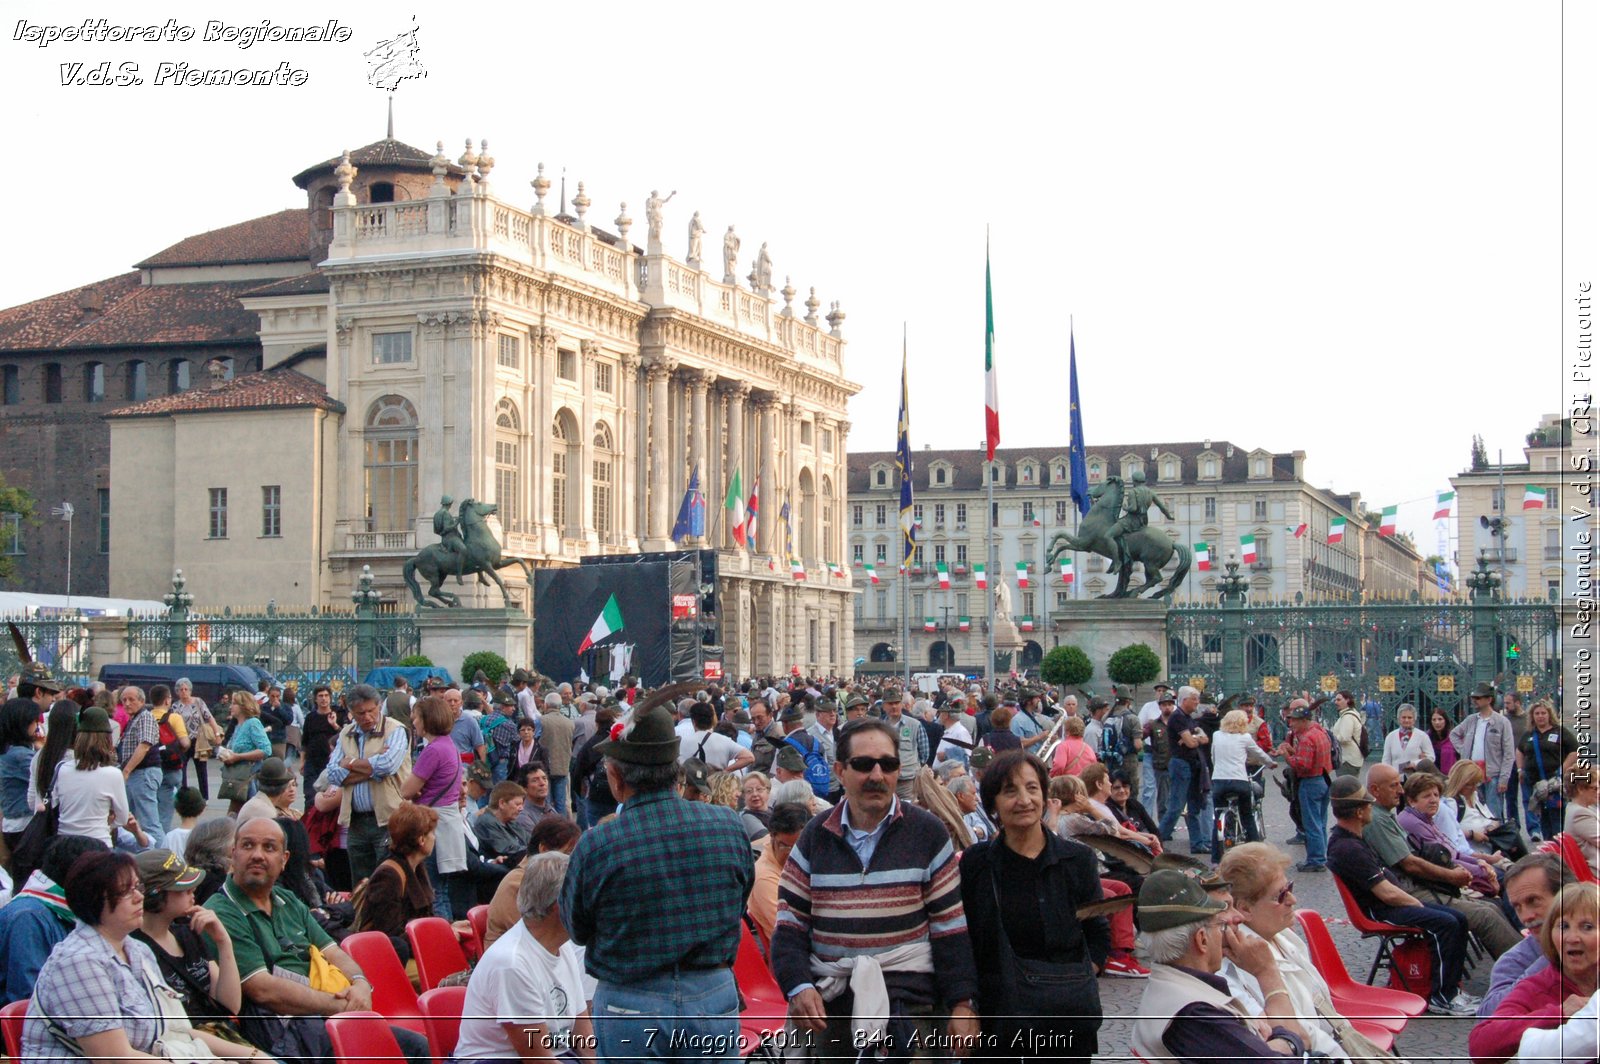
1257 875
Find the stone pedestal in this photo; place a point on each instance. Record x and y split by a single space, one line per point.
108 641
448 636
1101 627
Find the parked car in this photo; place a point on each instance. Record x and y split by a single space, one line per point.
213 683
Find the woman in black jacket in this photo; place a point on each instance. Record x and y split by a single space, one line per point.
1021 892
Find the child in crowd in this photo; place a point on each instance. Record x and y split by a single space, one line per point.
190 805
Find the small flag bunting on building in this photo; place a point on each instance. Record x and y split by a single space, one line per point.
1298 530
1533 498
979 576
966 624
1443 505
1335 531
835 571
1022 574
1247 549
797 569
1066 569
1386 523
1025 623
872 572
1202 557
944 575
930 624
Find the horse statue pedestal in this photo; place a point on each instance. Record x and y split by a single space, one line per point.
448 636
1101 627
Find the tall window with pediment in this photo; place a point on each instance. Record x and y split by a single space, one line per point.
390 439
827 519
508 464
563 456
600 485
805 533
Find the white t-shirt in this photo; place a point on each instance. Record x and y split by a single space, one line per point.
720 750
684 727
946 749
177 840
87 797
1148 712
519 981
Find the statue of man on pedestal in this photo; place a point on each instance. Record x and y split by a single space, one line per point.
448 529
1135 514
654 214
763 270
696 232
730 256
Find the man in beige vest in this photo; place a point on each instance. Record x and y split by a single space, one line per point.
1188 1013
372 759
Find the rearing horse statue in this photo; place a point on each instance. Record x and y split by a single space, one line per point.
480 556
1149 547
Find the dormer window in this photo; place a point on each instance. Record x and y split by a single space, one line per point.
1169 469
1097 470
1061 473
938 475
1025 474
1209 467
882 479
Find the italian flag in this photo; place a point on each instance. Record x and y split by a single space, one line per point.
944 575
1336 531
1022 574
1202 557
752 514
835 571
991 384
930 624
965 624
1386 522
734 504
872 573
1298 530
797 569
1066 570
1247 549
606 625
980 577
1025 623
1443 505
1533 498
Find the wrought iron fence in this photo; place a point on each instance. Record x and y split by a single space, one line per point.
60 640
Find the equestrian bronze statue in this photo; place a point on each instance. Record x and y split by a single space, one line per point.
1126 539
466 548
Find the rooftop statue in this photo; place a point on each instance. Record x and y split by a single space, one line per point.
697 232
730 256
466 547
1122 534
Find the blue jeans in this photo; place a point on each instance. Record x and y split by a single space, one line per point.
673 1015
558 795
1446 933
1197 817
1147 786
1494 799
1314 816
143 786
167 796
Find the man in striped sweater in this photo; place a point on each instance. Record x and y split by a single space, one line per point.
871 938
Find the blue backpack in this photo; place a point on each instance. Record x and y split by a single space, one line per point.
817 773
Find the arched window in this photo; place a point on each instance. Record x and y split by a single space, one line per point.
806 539
136 380
563 455
381 192
1169 470
177 375
390 468
827 519
600 485
508 464
94 382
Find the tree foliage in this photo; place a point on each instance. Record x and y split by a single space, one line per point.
492 664
18 501
1133 665
1480 453
414 661
1066 667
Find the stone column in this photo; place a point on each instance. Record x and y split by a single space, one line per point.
660 369
630 434
767 532
841 490
737 392
698 382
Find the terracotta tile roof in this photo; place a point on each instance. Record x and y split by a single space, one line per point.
967 465
120 312
305 283
270 389
391 153
281 237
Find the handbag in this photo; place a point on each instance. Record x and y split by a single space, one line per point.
1436 853
1035 989
236 776
28 853
175 1036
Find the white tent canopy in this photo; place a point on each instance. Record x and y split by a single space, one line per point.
15 603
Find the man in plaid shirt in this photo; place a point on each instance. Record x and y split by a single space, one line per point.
657 898
1310 754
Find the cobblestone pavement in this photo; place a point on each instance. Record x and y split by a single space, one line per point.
1426 1038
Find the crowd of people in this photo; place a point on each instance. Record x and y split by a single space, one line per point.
927 874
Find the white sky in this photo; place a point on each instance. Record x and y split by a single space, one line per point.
1328 227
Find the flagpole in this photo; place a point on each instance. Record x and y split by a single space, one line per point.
990 559
905 559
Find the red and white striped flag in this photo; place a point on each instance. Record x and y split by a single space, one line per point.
1336 531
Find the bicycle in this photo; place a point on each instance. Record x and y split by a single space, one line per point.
1230 819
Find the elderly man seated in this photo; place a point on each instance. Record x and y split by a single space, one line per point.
273 933
1188 1013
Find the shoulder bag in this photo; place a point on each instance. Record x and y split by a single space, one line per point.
28 853
175 1036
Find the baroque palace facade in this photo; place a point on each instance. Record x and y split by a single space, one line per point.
411 335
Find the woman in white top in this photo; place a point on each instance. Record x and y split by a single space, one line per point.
526 997
1407 744
1574 1042
90 790
1233 751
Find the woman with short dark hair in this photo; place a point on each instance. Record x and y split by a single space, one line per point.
398 890
19 732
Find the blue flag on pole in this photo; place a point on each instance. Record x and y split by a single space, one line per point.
902 462
692 511
1080 468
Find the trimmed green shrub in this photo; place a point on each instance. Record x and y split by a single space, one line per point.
1133 665
1066 667
414 661
492 664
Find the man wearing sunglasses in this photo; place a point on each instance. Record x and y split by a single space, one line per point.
844 885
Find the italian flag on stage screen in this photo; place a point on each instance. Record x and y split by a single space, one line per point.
1443 505
979 576
944 575
872 572
1336 531
1247 549
930 624
1533 498
1386 525
606 625
965 624
1202 557
1066 570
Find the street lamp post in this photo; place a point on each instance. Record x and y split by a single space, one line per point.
65 512
944 629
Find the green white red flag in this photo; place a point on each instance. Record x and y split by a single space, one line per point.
1066 569
980 577
1247 549
1022 574
734 503
1443 505
609 623
872 573
1025 623
991 383
944 575
1336 531
1298 530
1386 523
1202 557
835 570
1533 498
965 624
930 624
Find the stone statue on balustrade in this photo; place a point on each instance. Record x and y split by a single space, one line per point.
763 271
466 547
730 256
696 232
655 215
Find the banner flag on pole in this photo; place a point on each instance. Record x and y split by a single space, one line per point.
1202 557
1022 574
1386 526
734 504
902 462
980 576
1076 456
609 623
692 511
1335 531
1247 548
1443 505
752 510
991 383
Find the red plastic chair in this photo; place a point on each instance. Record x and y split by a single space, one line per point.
1386 934
1374 1005
11 1026
1572 854
441 1012
436 949
362 1037
392 993
765 1008
1375 1032
478 917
